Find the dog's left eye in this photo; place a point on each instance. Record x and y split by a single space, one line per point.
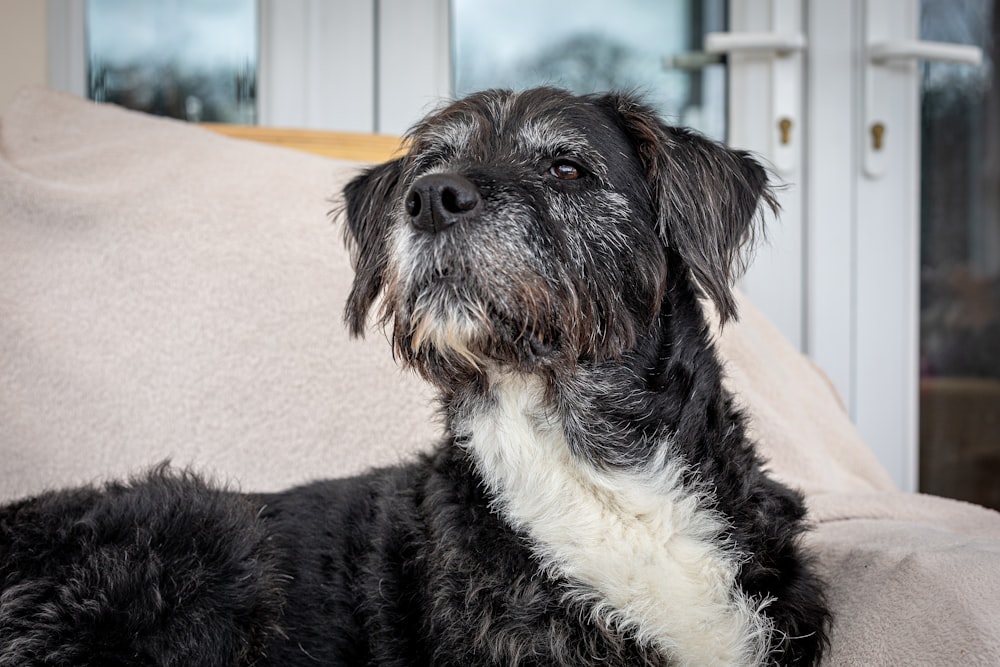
564 170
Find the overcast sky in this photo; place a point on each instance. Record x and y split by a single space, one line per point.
192 32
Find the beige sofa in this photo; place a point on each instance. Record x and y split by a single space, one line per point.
166 292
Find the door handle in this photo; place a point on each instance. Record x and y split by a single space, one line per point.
885 53
783 45
718 46
883 58
779 47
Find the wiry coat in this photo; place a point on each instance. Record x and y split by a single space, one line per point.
540 258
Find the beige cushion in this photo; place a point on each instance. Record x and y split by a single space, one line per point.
169 293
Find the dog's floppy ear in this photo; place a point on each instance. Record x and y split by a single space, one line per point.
707 197
368 200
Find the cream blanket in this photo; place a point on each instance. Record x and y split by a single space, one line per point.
169 293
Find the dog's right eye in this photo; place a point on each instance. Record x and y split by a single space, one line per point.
564 170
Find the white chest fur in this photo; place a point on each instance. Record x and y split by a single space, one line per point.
645 549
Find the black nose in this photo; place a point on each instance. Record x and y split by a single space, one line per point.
438 201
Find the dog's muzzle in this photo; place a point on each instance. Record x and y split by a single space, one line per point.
438 201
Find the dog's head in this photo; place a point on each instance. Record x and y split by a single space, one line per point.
539 227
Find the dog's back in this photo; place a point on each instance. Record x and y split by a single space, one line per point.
164 570
402 566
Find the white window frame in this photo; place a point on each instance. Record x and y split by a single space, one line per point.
414 61
316 64
350 65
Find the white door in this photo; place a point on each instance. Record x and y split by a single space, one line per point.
850 238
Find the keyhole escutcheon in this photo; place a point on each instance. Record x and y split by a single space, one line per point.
785 128
878 135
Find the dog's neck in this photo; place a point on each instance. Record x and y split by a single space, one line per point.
591 469
618 413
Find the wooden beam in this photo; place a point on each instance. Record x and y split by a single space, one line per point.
343 145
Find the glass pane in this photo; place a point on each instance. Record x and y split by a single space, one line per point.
189 59
593 45
960 258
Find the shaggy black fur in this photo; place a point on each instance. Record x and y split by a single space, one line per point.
162 571
569 239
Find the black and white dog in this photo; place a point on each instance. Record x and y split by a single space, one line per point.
540 258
